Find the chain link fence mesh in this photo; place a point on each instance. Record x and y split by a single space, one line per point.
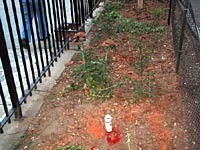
189 67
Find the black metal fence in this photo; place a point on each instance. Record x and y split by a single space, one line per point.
23 63
186 41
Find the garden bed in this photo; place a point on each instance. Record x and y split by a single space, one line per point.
133 50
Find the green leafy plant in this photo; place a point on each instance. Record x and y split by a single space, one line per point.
72 147
143 85
17 144
113 6
136 27
157 14
14 146
92 74
144 57
112 22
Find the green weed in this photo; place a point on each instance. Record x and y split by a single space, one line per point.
72 147
16 144
143 86
157 14
113 6
92 75
144 57
113 22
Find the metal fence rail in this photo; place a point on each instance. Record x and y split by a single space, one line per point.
187 51
80 11
22 69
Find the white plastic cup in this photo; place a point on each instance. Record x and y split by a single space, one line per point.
108 124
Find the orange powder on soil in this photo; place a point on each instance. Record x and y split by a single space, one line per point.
156 124
95 128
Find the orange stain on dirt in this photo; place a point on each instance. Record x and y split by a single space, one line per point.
156 120
98 132
95 127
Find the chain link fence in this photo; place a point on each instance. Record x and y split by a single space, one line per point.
186 41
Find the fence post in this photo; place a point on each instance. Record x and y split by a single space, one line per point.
76 13
90 3
169 15
8 75
179 52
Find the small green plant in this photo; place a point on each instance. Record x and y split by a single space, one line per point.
157 14
72 147
92 74
16 144
128 139
143 85
144 57
112 22
113 6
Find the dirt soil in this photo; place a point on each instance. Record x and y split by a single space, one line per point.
72 118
